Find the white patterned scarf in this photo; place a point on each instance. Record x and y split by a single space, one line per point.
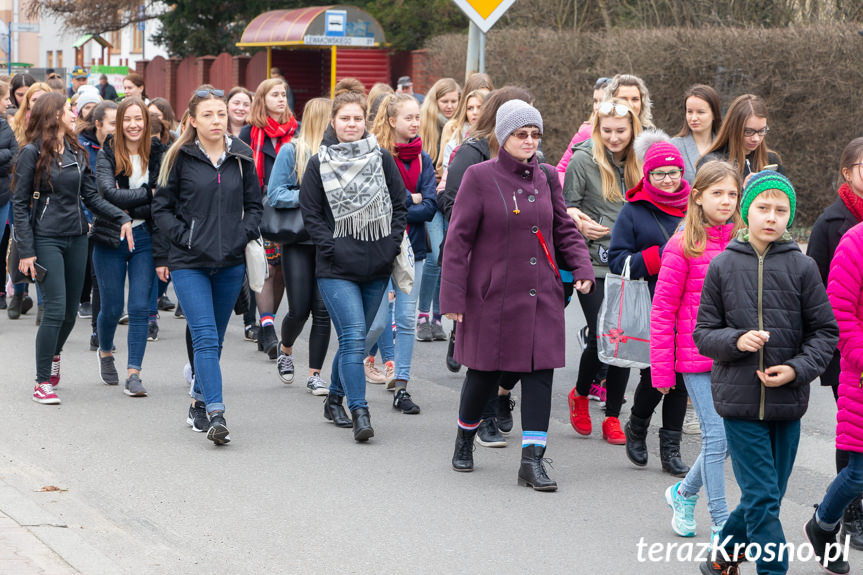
356 189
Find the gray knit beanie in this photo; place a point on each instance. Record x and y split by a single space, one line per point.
513 115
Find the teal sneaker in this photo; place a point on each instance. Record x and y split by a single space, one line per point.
715 530
683 520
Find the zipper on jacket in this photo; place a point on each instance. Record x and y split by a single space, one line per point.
78 199
191 233
219 210
47 201
761 328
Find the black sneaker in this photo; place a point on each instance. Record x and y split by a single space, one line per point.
251 333
198 417
94 341
178 312
488 435
153 331
85 310
268 342
719 567
402 400
823 541
165 303
505 405
285 365
107 372
218 430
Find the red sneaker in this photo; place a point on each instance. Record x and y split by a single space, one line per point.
579 413
611 431
55 371
44 393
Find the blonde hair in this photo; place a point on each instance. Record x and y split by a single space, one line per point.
382 129
429 131
709 175
373 102
188 134
632 167
24 111
316 119
646 114
258 114
455 127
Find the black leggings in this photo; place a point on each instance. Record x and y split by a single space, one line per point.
298 269
647 398
535 396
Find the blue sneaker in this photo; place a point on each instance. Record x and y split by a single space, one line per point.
683 520
715 530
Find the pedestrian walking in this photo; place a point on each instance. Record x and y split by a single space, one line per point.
712 219
501 283
52 178
765 320
353 205
208 204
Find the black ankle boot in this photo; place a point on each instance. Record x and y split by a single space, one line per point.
334 411
462 457
820 539
636 439
669 453
14 309
451 363
268 342
362 424
852 524
532 471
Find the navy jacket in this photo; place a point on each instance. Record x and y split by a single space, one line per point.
419 214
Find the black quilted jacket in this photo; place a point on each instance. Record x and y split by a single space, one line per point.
780 292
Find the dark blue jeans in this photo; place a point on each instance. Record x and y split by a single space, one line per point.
208 296
762 455
847 485
112 265
352 307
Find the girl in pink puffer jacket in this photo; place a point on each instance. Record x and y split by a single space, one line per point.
845 289
712 219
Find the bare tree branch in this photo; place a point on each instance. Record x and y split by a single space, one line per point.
95 17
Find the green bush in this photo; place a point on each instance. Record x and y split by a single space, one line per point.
810 78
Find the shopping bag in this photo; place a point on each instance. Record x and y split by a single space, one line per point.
623 327
403 267
256 264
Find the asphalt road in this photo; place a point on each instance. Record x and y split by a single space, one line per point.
143 494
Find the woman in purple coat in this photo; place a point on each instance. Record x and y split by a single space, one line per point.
500 281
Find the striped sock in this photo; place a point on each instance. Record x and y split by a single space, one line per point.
267 319
468 426
533 438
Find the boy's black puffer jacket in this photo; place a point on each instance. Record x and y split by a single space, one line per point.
781 293
208 214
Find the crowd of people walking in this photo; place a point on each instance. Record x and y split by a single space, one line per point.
378 213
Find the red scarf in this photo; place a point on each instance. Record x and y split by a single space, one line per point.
282 134
852 201
408 154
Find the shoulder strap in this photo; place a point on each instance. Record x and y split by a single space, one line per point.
661 227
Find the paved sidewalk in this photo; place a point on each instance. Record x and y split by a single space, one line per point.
22 553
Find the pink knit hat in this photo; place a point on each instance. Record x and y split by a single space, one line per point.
662 154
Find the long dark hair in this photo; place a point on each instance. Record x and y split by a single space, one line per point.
18 81
45 125
709 95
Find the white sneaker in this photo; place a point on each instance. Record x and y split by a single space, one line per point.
691 426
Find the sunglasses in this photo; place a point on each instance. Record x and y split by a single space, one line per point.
601 83
524 134
205 93
619 110
749 132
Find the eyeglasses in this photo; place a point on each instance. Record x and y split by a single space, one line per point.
524 134
619 110
207 92
749 132
673 174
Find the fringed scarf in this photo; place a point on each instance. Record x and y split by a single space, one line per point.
852 201
353 178
282 133
410 154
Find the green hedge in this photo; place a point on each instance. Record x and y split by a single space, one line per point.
811 79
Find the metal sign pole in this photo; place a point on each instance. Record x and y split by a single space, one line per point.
473 51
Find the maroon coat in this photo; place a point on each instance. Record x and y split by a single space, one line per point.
496 273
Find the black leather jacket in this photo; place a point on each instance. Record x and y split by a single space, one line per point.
115 189
8 149
57 209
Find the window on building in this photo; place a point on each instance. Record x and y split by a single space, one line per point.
137 40
59 58
116 40
49 59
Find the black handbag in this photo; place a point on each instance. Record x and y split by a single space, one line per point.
12 262
283 225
